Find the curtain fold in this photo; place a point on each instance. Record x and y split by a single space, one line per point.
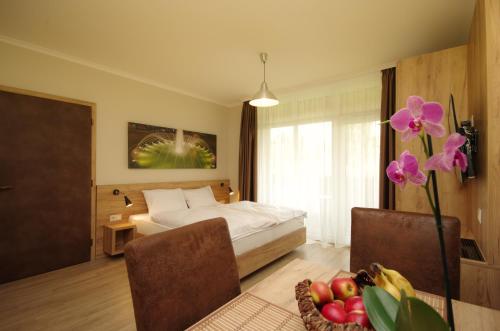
319 151
248 155
387 193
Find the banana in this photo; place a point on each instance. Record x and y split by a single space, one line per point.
399 281
381 281
391 281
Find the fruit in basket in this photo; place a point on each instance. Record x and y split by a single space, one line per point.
321 293
339 302
333 312
391 281
358 316
398 280
354 303
382 282
363 279
344 288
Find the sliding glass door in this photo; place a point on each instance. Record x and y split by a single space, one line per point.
321 154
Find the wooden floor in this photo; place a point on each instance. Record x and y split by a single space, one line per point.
96 295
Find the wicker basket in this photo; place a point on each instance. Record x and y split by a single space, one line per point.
313 320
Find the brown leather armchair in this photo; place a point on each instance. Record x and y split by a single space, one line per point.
407 242
179 276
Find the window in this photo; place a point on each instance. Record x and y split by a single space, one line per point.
321 154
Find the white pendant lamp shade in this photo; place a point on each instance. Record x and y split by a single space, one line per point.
264 97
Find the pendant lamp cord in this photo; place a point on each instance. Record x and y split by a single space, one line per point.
263 58
264 71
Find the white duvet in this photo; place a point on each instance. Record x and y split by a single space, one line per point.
243 218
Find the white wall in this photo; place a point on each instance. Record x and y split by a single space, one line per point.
120 100
233 145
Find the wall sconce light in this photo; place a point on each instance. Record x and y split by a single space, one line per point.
128 202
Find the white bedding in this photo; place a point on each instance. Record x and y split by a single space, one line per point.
146 226
243 218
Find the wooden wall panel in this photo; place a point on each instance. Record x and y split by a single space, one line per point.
480 283
492 16
434 76
477 106
109 204
484 101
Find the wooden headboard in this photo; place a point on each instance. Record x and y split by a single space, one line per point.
109 204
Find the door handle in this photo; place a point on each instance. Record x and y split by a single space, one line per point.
6 188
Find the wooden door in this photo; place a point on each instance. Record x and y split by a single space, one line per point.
45 184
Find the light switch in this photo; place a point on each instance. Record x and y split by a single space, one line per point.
115 217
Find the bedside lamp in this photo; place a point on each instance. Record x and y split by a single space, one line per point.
128 202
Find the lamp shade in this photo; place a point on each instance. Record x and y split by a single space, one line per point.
128 203
264 97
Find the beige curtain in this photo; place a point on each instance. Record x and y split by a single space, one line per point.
318 151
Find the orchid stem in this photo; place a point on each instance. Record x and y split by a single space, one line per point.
426 186
426 150
439 225
428 192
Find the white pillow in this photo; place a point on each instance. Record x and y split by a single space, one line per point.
200 197
164 200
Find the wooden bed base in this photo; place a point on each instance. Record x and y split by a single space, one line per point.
257 258
261 256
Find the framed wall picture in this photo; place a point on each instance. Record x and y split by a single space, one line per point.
155 147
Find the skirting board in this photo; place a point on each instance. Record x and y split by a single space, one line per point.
263 255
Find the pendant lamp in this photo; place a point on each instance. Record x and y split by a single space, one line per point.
264 97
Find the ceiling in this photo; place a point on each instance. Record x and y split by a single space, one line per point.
209 48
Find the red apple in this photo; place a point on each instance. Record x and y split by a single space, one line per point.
354 303
360 317
321 293
344 288
333 312
339 302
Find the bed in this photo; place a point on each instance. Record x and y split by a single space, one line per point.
254 248
146 226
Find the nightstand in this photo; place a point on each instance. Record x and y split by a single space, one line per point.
116 236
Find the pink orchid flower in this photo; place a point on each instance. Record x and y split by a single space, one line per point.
405 169
418 115
450 157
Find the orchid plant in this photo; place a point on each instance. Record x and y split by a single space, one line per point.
423 119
